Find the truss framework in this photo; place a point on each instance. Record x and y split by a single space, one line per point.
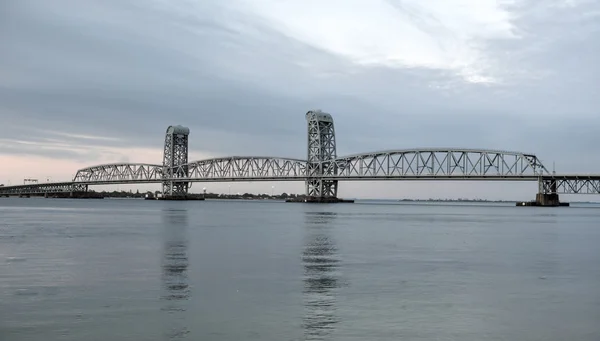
570 184
320 153
252 168
119 173
260 168
43 188
175 157
436 163
243 168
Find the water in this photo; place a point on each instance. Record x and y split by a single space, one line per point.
151 270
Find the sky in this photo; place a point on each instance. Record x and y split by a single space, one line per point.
85 83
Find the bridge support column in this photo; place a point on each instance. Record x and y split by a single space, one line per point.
547 195
547 199
321 152
175 158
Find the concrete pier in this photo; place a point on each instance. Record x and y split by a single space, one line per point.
544 200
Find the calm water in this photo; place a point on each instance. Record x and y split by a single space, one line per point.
151 270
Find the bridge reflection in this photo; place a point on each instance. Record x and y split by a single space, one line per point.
176 290
320 276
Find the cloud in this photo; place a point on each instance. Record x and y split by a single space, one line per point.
443 35
79 136
105 78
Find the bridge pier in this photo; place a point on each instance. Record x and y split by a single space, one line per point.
547 195
547 199
175 159
544 200
320 153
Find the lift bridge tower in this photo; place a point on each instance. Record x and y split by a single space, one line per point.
175 159
321 151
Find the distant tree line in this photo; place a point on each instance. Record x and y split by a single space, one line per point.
454 200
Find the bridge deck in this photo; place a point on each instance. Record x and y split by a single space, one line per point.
364 177
43 184
560 183
331 177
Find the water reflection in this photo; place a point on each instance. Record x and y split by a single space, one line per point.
320 276
176 291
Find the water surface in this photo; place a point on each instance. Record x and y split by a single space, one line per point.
231 270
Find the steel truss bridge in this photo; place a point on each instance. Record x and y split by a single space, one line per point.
322 170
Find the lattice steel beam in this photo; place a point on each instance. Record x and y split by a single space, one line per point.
175 158
267 169
247 167
571 184
119 172
321 151
436 163
44 188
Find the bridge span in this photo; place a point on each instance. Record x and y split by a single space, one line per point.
323 169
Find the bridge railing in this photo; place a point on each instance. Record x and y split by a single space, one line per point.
436 163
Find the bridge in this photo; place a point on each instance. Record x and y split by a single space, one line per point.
323 169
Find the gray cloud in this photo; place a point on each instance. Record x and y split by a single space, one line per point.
128 69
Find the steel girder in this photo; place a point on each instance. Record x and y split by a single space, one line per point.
119 173
320 153
398 164
246 168
570 184
353 168
437 164
175 157
43 188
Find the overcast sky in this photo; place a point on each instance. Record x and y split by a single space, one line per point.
90 82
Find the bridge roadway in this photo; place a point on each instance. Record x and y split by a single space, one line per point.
565 184
395 165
